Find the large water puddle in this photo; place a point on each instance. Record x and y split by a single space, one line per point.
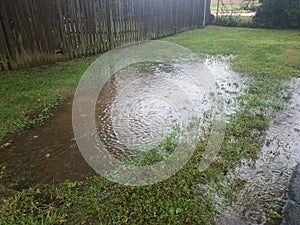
139 106
137 109
267 177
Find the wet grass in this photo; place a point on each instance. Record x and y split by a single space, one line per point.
270 57
28 97
260 52
266 56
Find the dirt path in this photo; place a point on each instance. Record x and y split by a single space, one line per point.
46 153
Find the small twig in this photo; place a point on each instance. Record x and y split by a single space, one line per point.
34 206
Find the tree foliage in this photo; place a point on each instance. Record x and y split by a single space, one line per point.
279 14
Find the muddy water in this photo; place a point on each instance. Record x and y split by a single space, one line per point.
143 105
137 108
267 178
43 154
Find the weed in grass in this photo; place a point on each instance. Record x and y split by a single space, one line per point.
172 141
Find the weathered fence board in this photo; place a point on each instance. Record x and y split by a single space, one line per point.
34 32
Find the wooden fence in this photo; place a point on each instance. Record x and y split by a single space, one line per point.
34 32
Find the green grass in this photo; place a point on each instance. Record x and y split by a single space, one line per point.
27 97
229 7
260 52
270 57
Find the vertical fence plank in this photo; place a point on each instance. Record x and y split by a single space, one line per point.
34 32
4 49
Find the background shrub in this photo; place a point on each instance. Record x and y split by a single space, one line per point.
232 21
278 14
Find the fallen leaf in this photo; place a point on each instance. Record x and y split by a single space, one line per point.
6 145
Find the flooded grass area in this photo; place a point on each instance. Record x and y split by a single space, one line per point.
50 152
256 158
266 177
137 124
146 106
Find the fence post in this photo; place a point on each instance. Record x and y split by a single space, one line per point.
108 21
6 51
218 4
64 45
174 16
204 14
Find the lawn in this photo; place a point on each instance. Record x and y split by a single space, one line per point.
269 57
27 97
229 7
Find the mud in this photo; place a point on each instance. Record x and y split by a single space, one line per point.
43 154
